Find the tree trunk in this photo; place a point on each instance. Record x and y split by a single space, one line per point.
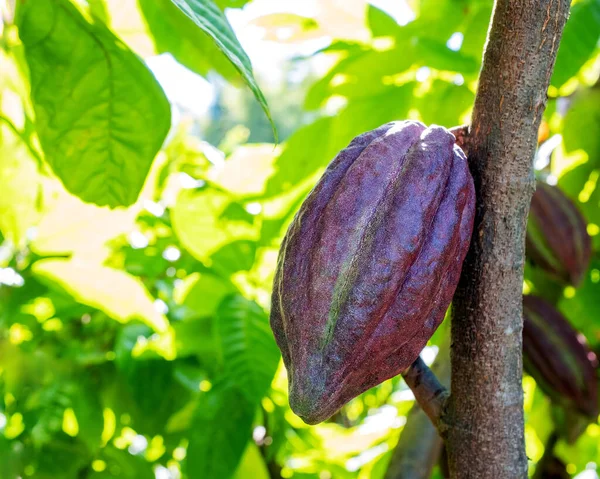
485 410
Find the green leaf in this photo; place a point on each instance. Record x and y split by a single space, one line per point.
62 457
250 355
380 23
223 4
174 33
120 464
121 295
211 20
88 411
578 166
12 457
101 115
583 307
445 103
219 434
435 54
156 392
252 465
202 292
327 136
203 223
579 40
582 124
235 256
475 29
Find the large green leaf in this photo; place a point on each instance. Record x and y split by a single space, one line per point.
211 20
208 219
219 433
579 40
101 115
445 103
120 295
250 355
582 124
577 164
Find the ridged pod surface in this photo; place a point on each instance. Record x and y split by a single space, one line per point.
370 263
557 237
557 356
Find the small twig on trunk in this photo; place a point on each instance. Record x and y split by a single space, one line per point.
429 392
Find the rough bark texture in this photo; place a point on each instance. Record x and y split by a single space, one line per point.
420 444
485 410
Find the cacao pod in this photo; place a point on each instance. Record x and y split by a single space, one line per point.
558 358
557 237
370 263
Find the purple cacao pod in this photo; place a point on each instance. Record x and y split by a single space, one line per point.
557 237
370 263
558 357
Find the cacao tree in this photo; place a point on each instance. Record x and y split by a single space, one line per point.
220 219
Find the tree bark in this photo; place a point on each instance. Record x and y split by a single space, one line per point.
485 410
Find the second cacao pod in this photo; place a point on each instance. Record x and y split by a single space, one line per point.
558 358
370 263
557 237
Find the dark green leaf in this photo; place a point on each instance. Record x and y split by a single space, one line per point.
582 124
250 355
445 103
174 33
211 20
436 54
581 134
578 42
120 464
235 256
101 115
219 434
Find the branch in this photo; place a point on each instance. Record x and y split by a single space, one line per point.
429 392
420 444
485 412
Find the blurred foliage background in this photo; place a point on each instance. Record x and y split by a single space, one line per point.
135 278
